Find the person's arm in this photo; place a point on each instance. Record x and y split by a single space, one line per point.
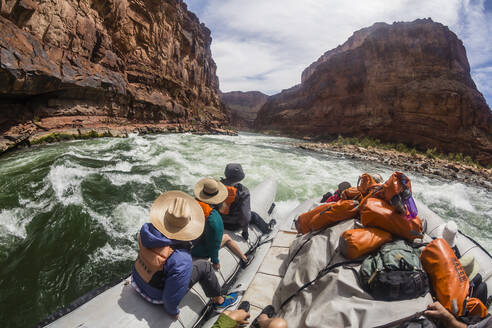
438 312
214 237
176 285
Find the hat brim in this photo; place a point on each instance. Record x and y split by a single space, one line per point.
215 199
468 260
191 231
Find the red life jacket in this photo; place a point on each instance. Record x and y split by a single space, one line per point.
231 198
151 260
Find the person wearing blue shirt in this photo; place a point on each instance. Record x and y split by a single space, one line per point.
164 270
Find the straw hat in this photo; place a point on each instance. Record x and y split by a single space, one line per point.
178 216
470 265
210 191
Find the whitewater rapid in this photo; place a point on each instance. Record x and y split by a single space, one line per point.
78 205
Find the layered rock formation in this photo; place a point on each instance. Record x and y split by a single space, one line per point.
75 64
405 82
243 107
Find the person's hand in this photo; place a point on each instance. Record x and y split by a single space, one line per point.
175 317
216 266
240 316
438 312
245 234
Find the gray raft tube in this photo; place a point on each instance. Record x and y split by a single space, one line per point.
121 306
464 243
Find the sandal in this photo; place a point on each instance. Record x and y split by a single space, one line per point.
268 310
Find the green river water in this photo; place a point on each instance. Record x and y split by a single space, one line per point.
69 212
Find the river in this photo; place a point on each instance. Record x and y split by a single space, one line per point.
69 212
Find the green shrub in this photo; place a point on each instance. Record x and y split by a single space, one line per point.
402 148
430 153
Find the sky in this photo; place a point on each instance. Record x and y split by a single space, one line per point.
265 45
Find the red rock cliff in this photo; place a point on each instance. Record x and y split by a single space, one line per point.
243 106
85 63
405 82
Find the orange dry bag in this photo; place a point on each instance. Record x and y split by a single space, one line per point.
336 212
475 307
366 184
305 219
447 276
395 185
351 193
376 212
326 214
355 243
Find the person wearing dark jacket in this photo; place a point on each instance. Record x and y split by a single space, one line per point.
164 270
236 210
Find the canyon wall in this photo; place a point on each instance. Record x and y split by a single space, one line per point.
408 82
243 107
73 65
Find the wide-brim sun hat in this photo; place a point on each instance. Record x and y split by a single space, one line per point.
177 216
470 265
210 191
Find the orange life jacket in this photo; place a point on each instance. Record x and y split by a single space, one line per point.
327 214
151 260
375 212
231 198
447 276
207 209
355 243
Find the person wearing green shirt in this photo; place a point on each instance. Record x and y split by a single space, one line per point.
210 194
235 318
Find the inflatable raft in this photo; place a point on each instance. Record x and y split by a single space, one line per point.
121 306
336 299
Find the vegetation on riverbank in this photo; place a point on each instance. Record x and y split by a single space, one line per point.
60 136
402 148
449 167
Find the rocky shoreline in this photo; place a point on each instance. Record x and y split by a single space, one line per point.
55 129
409 162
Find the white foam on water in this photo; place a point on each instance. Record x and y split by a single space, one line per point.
13 222
79 153
120 179
454 195
122 166
109 253
66 181
128 218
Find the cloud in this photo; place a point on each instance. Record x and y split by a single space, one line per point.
265 44
483 80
